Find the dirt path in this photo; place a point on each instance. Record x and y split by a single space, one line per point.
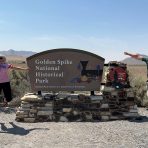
113 134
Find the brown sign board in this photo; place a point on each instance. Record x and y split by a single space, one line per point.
65 70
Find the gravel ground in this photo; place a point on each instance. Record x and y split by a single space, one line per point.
112 134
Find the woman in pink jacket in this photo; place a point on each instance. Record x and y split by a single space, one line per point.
4 79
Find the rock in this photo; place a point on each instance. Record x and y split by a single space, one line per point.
114 117
63 95
130 114
133 111
104 106
32 115
26 105
105 118
88 116
30 120
72 97
28 98
114 93
105 113
49 104
44 113
44 108
22 116
63 119
96 98
22 113
76 112
109 89
33 110
24 109
67 110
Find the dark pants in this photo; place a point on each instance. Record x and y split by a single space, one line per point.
7 90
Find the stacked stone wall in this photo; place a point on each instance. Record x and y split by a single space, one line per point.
77 107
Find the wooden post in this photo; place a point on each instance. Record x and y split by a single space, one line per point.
92 93
40 92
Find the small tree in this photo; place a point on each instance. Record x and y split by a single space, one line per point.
139 88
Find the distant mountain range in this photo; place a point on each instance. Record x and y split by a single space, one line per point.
12 52
131 61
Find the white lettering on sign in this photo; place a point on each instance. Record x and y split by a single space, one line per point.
47 68
45 61
51 74
64 62
42 81
48 62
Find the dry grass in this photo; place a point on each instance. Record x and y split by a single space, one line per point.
19 61
16 58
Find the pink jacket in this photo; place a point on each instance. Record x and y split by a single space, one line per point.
4 72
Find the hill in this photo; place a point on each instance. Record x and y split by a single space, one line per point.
131 61
18 58
22 55
12 52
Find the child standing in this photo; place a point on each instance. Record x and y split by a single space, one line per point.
4 79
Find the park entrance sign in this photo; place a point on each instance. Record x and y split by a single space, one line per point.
65 70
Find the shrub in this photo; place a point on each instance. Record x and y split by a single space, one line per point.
139 89
19 85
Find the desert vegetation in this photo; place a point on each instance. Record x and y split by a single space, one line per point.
19 85
138 77
19 79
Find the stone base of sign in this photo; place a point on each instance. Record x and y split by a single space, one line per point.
112 104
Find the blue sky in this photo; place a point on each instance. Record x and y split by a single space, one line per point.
104 27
